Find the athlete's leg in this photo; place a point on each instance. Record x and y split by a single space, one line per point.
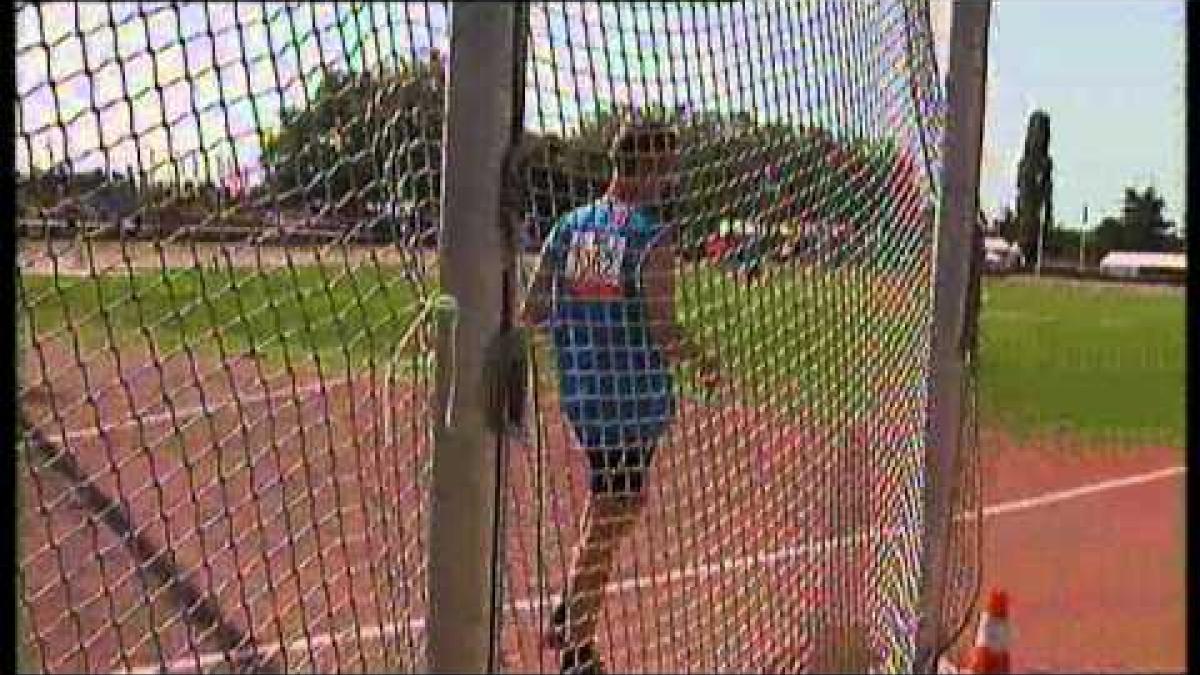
615 501
608 518
618 437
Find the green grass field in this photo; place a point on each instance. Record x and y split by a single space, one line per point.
1099 362
814 339
300 314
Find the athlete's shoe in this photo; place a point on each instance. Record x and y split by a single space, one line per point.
555 636
579 660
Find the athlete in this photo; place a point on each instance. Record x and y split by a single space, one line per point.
605 288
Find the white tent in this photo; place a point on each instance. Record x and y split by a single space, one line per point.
1133 263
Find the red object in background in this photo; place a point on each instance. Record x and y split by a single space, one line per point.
235 183
717 247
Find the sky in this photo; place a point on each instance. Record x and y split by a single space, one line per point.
1109 73
145 82
86 76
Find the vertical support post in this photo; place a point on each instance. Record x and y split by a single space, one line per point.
951 279
480 97
1083 239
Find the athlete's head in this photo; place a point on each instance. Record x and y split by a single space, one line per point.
644 156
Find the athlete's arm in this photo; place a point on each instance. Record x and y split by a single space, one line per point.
658 281
536 309
658 284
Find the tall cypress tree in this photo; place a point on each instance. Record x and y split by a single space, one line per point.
1035 186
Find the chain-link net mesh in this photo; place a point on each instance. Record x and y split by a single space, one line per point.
728 249
228 215
227 220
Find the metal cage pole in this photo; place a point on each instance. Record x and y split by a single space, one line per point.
480 96
948 336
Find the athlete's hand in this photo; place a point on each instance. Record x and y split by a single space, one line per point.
708 373
533 314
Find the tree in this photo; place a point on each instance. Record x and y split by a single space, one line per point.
1035 186
1142 214
371 138
734 167
1062 244
1141 226
363 138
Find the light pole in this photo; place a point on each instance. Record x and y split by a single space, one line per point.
220 182
1083 238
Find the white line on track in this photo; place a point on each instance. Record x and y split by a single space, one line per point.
668 577
282 394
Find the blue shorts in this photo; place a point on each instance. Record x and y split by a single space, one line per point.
618 437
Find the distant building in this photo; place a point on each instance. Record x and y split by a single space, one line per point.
1133 264
1001 255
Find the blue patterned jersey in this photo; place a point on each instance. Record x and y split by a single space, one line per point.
615 385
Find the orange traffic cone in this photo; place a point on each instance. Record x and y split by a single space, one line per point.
990 653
